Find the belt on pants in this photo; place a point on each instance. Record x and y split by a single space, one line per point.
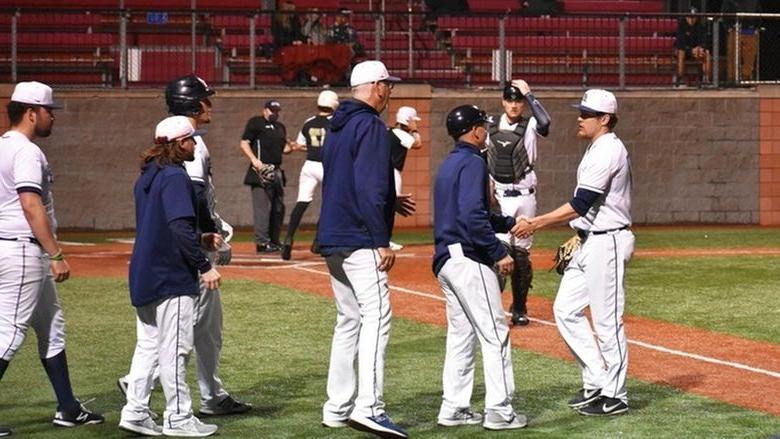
584 233
518 192
23 238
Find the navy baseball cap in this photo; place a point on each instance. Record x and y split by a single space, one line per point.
512 93
273 105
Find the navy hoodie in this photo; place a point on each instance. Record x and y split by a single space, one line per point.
462 210
358 193
166 258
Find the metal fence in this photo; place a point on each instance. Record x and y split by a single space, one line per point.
248 48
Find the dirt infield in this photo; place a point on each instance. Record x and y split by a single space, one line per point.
731 369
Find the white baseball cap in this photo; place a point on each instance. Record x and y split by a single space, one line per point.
34 93
175 128
598 101
329 99
406 115
370 71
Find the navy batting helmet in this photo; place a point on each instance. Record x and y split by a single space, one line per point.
463 118
183 95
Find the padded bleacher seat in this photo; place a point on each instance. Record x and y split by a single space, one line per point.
322 5
58 40
566 44
557 25
493 5
604 6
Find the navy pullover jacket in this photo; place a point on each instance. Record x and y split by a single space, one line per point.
358 193
462 210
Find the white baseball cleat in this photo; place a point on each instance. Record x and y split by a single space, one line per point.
146 427
192 427
463 416
496 421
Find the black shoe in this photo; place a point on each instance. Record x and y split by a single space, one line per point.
267 248
228 406
5 431
76 416
584 397
286 251
520 319
315 247
604 406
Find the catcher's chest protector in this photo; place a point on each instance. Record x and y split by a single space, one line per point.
506 156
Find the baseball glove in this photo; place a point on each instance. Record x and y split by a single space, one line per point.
266 174
564 254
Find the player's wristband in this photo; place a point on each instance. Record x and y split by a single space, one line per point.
57 256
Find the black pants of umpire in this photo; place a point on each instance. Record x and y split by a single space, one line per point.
268 211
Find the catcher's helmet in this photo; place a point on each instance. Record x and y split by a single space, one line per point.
183 95
463 118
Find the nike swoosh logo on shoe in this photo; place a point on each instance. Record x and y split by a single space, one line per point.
608 409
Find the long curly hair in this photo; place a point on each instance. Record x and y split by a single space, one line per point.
165 152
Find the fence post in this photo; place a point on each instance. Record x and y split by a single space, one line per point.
737 35
378 37
14 43
193 32
410 66
253 19
501 53
622 52
716 53
124 59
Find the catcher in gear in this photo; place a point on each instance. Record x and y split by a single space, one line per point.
511 154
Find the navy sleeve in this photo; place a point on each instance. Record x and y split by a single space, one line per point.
500 223
543 119
183 230
583 200
205 221
176 193
472 209
372 175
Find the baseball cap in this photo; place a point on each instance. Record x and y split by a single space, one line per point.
598 101
175 128
328 98
273 105
406 115
370 71
34 93
512 93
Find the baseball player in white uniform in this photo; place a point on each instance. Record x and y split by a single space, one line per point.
511 154
310 139
189 96
31 260
600 213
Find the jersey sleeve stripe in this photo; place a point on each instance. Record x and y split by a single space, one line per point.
591 188
23 189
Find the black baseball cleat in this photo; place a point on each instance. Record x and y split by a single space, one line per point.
604 406
584 397
267 248
5 431
287 251
315 247
76 416
520 319
228 406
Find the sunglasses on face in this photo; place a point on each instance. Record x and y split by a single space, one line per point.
389 85
589 114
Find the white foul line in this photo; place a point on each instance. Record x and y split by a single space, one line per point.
635 342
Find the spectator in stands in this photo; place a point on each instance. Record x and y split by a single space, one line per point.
691 43
748 39
313 30
342 32
538 8
286 27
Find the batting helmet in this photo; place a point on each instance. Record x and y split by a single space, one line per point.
463 118
183 95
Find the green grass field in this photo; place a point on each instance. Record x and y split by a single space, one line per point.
277 342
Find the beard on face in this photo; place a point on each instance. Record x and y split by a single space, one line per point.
42 131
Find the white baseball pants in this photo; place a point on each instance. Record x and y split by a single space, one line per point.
28 297
362 332
515 206
311 176
398 180
474 312
595 279
165 336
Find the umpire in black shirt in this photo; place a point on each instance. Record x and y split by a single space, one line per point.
263 143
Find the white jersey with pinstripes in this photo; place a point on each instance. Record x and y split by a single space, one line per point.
605 169
22 165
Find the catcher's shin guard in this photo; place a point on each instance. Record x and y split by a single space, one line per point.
521 281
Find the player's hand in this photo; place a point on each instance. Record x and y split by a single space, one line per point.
257 164
60 270
522 86
505 266
524 227
405 204
211 241
386 259
212 279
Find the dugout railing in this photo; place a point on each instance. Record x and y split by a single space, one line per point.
126 48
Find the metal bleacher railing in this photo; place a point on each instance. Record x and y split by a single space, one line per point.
237 48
